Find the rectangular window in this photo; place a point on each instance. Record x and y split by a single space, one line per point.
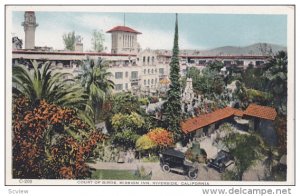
144 82
119 87
134 75
161 71
119 75
126 74
239 62
126 86
227 63
257 63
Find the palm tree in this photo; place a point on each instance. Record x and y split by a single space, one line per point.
42 83
95 79
276 74
270 157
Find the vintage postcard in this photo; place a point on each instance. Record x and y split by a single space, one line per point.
150 95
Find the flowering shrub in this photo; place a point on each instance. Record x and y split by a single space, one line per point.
50 141
145 143
161 137
155 139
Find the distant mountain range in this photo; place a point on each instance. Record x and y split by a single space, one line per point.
254 49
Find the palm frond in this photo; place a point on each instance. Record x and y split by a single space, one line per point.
86 118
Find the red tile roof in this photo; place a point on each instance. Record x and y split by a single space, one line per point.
203 120
261 112
24 51
124 29
237 112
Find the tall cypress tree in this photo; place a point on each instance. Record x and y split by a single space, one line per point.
173 104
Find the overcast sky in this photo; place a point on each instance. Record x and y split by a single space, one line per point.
196 31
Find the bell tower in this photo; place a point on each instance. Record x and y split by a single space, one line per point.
29 28
124 40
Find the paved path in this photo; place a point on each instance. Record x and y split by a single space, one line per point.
205 174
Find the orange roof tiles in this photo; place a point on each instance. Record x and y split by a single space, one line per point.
261 112
203 120
124 29
237 112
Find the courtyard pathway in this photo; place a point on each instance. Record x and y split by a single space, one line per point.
205 174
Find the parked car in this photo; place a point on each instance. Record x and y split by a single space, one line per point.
221 162
174 160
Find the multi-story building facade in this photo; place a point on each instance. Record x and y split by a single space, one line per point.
132 69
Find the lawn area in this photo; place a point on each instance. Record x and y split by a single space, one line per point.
117 175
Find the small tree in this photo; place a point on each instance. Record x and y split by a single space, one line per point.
246 150
126 128
97 40
125 103
125 121
69 40
281 131
95 80
215 66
